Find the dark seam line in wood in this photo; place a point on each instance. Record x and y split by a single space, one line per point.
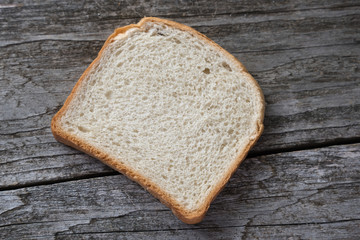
49 39
328 187
42 169
41 157
27 131
37 115
27 145
312 129
303 223
50 182
299 48
85 219
250 155
213 227
42 236
336 87
40 93
26 223
306 146
261 12
53 110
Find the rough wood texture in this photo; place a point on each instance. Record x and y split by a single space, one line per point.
304 194
304 54
24 21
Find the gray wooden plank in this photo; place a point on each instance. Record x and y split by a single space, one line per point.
32 89
302 194
328 231
312 96
96 19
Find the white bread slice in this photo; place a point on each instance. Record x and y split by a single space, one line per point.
168 108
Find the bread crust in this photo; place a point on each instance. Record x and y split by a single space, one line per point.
189 217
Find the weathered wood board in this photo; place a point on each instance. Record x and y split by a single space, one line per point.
304 54
307 194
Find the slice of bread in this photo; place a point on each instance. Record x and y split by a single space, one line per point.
168 108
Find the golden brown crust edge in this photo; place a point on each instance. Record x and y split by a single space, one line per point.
73 141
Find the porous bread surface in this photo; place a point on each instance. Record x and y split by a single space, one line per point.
170 106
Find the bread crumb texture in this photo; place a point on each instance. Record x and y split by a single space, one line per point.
169 105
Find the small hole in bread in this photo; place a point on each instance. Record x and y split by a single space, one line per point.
108 94
177 41
222 147
226 66
83 129
206 71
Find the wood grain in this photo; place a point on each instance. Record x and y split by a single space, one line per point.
302 194
23 21
304 54
305 57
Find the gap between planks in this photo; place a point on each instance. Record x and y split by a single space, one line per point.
302 147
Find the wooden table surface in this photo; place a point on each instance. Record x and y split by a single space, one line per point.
300 181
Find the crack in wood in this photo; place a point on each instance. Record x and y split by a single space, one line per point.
35 144
306 146
40 157
61 180
256 219
48 111
25 131
50 39
214 227
298 48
